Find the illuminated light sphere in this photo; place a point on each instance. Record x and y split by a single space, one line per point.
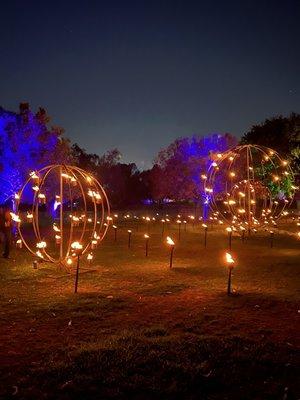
249 186
61 209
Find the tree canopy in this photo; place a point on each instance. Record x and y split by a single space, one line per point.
177 170
279 133
27 143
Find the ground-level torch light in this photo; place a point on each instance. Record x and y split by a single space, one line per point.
230 263
205 234
271 239
172 245
115 232
229 230
146 243
77 248
129 238
163 221
179 228
90 258
19 243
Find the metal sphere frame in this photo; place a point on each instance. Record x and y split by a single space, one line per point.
89 229
245 175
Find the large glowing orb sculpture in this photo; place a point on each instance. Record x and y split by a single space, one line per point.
249 186
58 208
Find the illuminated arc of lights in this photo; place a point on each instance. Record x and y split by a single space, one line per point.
68 176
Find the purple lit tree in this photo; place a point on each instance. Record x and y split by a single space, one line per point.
26 144
178 168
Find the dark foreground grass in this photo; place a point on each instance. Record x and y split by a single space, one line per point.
159 365
138 330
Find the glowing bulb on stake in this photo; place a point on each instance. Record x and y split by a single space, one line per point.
163 221
76 246
230 263
229 230
172 245
271 239
129 238
115 232
179 228
19 243
205 234
90 258
146 244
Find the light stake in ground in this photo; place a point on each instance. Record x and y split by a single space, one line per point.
129 238
172 245
77 248
115 232
205 234
163 227
230 264
146 244
179 228
229 230
271 239
90 258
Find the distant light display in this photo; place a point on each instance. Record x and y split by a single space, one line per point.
249 186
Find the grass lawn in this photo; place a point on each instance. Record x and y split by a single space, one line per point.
138 330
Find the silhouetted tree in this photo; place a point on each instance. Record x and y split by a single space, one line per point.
279 133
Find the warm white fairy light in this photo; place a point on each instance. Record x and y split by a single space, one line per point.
15 217
169 241
41 245
76 246
229 259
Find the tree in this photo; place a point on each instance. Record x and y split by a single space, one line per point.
26 144
279 133
177 170
124 183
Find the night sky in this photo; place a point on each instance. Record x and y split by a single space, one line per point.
137 74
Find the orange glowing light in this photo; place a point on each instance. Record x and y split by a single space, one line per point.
229 259
170 241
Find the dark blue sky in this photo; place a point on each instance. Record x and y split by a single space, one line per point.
137 74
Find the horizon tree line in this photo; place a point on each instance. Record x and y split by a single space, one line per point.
28 142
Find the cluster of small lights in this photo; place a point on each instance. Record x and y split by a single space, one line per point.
69 176
244 193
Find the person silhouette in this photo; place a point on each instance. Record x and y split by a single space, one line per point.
5 228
